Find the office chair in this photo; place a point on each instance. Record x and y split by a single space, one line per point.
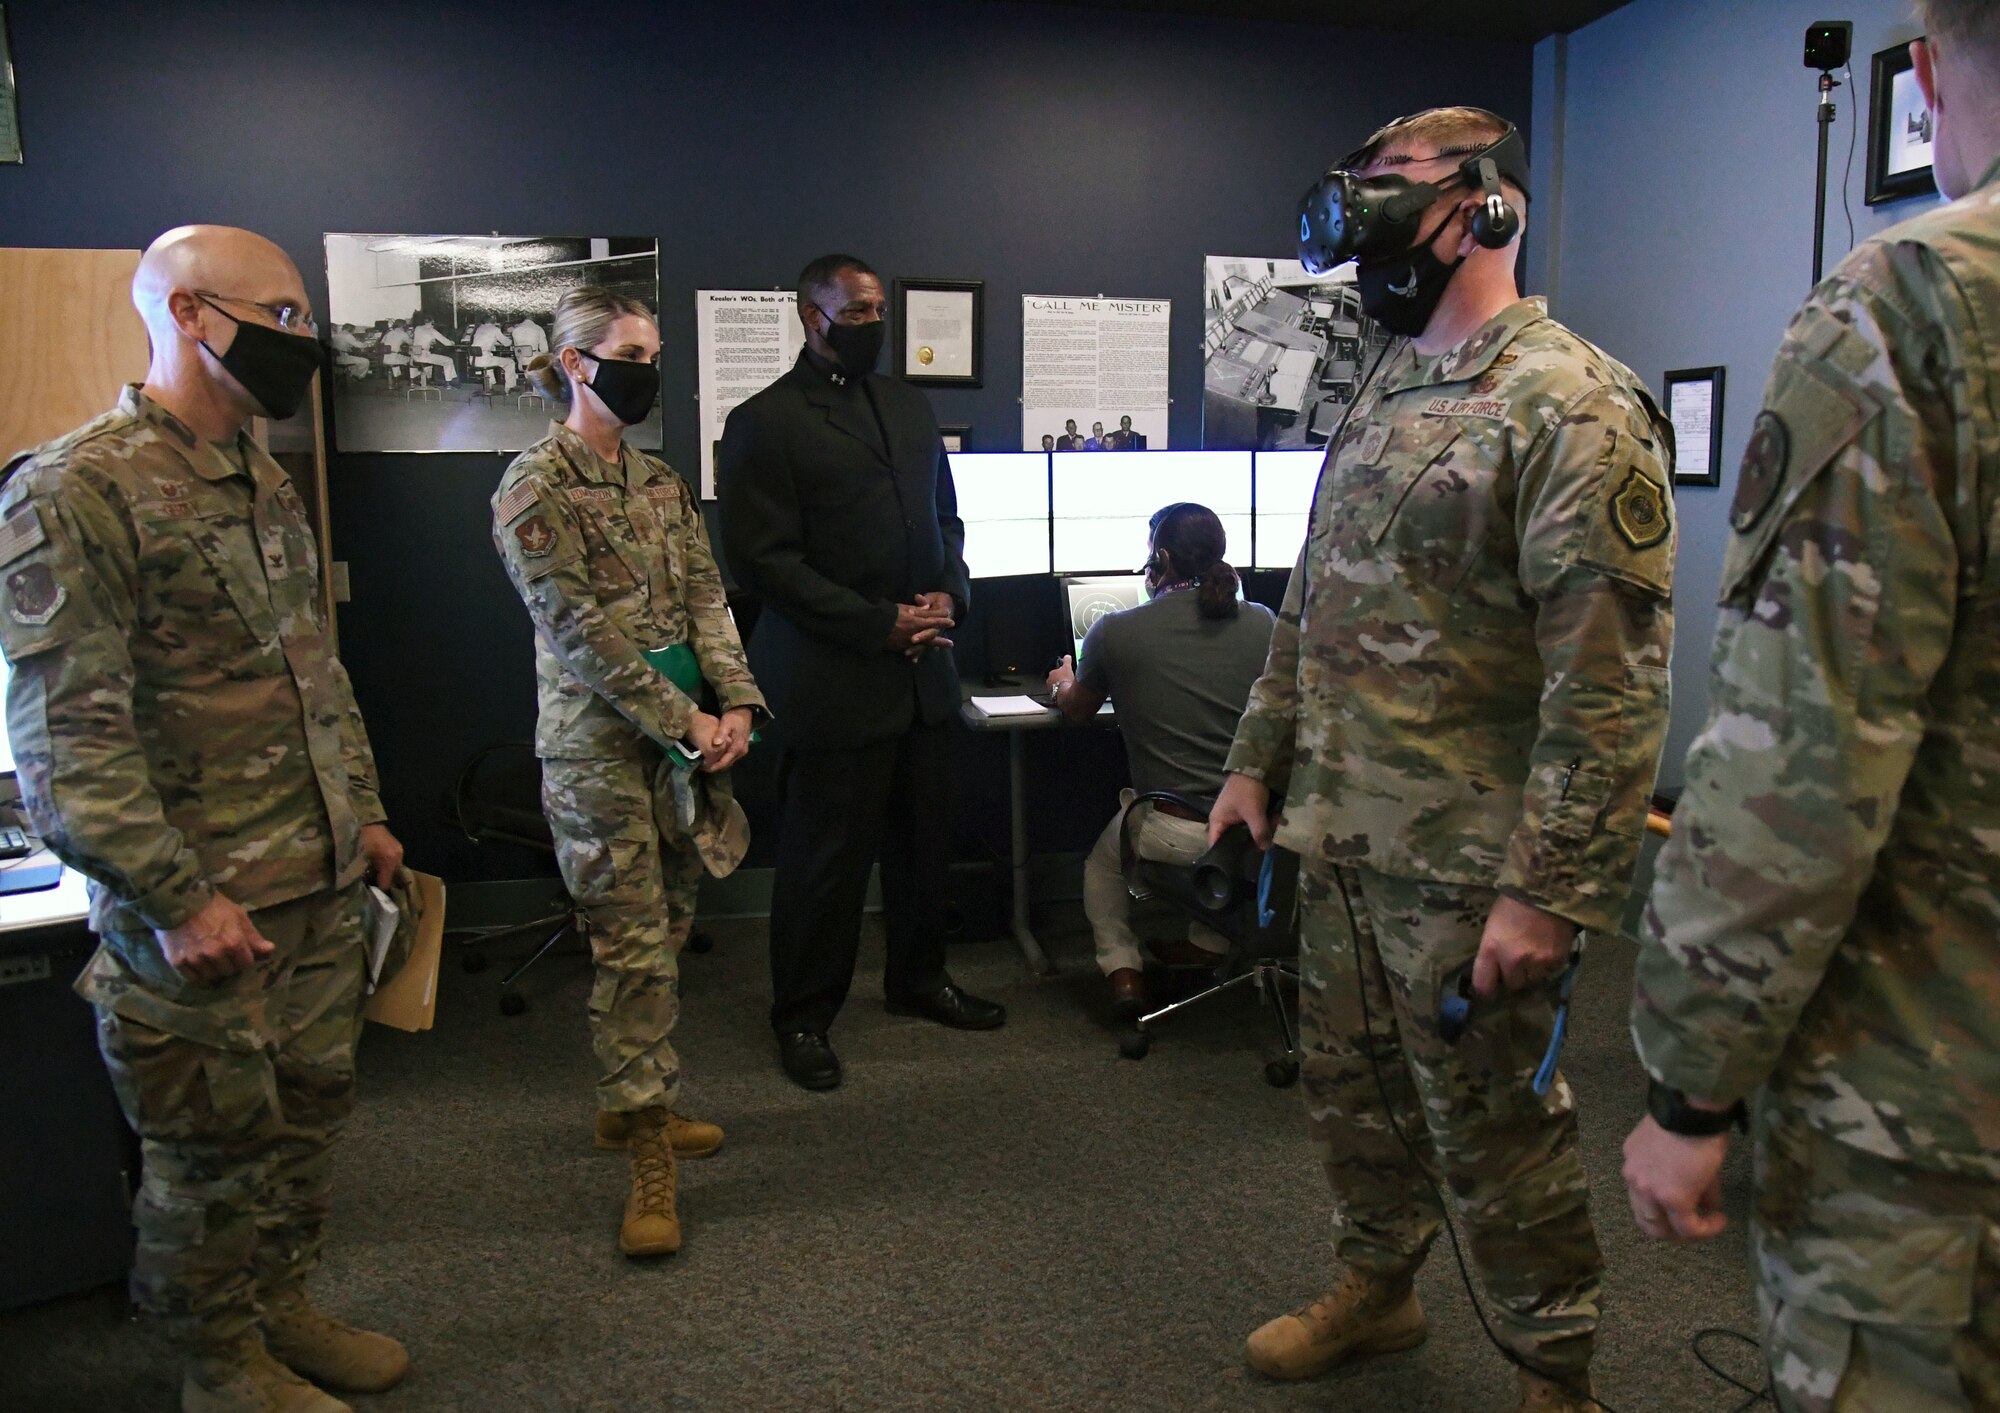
1222 889
497 800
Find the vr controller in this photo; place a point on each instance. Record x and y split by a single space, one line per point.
1455 1002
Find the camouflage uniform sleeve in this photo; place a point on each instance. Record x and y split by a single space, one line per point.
70 603
541 545
1839 595
1267 735
364 784
1597 557
716 644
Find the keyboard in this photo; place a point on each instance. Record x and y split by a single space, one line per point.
14 843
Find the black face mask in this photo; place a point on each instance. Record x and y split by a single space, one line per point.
857 346
627 389
1401 293
274 367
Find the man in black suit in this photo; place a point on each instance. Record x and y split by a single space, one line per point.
838 513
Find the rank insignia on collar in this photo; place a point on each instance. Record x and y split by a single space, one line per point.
534 537
34 596
1764 458
1639 511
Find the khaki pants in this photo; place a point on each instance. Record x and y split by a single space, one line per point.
638 896
1107 901
237 1091
1879 1281
1509 1157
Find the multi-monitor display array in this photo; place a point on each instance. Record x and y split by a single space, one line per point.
1086 512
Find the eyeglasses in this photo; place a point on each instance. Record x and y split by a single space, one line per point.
290 317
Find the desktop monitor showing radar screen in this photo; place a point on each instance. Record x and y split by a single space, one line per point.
1091 597
1285 482
1003 498
1103 502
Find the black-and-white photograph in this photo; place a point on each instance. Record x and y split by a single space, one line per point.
1283 353
430 333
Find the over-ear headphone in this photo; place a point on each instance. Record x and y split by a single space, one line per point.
1345 215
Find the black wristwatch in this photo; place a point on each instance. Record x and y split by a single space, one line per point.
1671 1111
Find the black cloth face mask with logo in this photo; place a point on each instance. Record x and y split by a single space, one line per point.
627 389
857 346
1402 292
274 367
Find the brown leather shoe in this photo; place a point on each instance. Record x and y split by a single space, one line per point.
1361 1316
691 1138
652 1224
1128 993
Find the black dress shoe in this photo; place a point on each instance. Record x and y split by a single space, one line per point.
948 1005
809 1060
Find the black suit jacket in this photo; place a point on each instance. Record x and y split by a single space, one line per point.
831 529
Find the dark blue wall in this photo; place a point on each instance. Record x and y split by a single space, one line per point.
1043 149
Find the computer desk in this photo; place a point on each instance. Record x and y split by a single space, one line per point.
1016 729
63 905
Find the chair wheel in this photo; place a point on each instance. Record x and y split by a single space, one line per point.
700 943
1281 1074
512 1003
1134 1044
474 962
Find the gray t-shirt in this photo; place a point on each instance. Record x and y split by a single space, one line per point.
1180 682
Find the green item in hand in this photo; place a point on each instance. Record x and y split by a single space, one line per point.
677 663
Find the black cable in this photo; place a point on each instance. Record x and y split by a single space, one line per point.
1757 1395
1847 173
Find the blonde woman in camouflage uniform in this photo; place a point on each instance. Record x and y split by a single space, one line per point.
605 546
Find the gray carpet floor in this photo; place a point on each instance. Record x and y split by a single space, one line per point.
1011 1220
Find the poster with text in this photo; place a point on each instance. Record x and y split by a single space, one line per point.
745 339
430 334
1283 352
1094 373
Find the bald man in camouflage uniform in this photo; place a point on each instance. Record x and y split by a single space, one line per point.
613 560
186 738
1462 712
1824 931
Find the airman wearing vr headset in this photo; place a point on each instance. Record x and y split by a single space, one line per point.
1463 708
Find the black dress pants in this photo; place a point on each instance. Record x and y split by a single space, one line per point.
839 812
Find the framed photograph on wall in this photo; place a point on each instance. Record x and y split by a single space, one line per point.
10 112
1899 130
957 436
941 331
1694 406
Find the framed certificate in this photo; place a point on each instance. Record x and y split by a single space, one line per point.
1694 406
942 330
1899 130
10 111
956 435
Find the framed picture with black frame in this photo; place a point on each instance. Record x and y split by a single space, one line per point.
941 332
1694 407
1899 130
957 436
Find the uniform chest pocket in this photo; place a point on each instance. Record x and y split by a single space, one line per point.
1386 496
208 565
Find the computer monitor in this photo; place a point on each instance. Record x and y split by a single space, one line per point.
1090 597
1003 498
1103 500
1284 483
6 748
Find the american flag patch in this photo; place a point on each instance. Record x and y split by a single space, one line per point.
516 501
19 533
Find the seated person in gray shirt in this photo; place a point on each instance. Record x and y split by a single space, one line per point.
1180 667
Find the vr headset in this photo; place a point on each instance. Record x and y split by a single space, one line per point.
1346 216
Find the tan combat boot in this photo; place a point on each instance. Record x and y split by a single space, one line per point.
691 1138
331 1352
652 1226
1540 1394
242 1377
1362 1315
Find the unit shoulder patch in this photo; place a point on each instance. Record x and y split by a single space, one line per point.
1639 511
34 596
21 532
1764 460
534 536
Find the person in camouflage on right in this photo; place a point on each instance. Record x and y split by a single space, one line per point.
1462 712
1824 930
